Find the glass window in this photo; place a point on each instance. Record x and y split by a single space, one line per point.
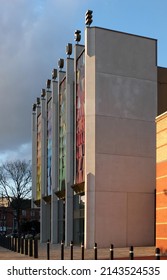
24 213
61 220
62 134
80 118
79 210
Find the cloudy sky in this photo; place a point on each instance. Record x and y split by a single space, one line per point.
33 36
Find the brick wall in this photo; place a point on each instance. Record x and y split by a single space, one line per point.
161 183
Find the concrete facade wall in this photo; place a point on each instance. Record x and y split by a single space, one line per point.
121 98
120 142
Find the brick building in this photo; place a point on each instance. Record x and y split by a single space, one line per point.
8 220
161 162
161 184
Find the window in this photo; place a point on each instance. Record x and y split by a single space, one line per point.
24 213
32 213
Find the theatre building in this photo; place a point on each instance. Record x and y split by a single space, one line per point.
94 143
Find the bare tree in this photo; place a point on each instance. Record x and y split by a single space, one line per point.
15 184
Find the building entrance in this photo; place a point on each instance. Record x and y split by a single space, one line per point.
61 220
79 208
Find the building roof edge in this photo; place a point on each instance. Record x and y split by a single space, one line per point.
161 116
125 33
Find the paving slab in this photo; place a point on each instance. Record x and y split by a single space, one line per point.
102 254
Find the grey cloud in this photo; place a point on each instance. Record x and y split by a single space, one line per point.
33 35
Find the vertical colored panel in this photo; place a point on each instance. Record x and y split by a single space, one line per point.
62 134
80 119
38 190
49 147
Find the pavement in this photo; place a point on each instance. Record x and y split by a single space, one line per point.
102 254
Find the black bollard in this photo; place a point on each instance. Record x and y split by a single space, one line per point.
6 242
15 244
35 248
48 250
12 243
82 251
18 245
71 250
30 248
111 252
2 241
9 243
131 254
157 253
95 251
26 247
62 250
22 245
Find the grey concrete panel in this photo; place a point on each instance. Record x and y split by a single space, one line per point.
90 41
90 213
126 217
54 219
141 219
125 97
111 219
127 137
125 173
45 221
124 54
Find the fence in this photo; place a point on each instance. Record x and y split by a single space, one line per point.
29 247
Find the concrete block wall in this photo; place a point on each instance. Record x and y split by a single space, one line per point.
121 106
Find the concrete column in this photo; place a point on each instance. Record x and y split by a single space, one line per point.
45 208
48 101
69 150
45 221
61 75
34 153
90 139
37 187
54 171
43 147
